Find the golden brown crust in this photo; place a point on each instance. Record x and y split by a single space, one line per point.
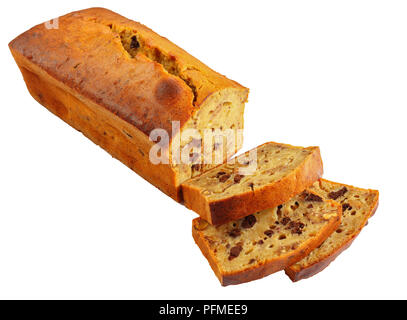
122 140
241 205
82 72
137 89
259 271
296 272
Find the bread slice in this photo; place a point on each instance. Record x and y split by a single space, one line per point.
262 178
357 206
267 241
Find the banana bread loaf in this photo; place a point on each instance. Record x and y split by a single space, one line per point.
275 174
267 241
358 205
117 81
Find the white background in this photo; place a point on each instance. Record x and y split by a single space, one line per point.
75 223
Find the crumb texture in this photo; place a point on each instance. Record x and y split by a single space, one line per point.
277 234
357 206
274 161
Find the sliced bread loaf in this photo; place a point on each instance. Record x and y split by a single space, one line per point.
357 206
267 241
262 178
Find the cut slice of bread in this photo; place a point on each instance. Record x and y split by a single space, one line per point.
262 178
267 241
358 205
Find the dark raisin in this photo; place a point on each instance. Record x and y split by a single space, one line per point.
235 233
251 185
134 44
249 222
220 173
310 206
312 197
336 194
260 242
235 251
292 224
296 227
346 206
237 178
285 220
269 233
252 261
224 178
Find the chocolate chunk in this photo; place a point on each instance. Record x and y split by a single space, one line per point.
224 177
269 233
312 197
346 206
249 222
235 233
252 261
237 178
134 44
285 220
235 251
260 242
336 194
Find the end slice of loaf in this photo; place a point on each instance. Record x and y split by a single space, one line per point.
358 205
276 174
267 241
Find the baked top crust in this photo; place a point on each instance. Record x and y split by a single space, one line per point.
148 88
